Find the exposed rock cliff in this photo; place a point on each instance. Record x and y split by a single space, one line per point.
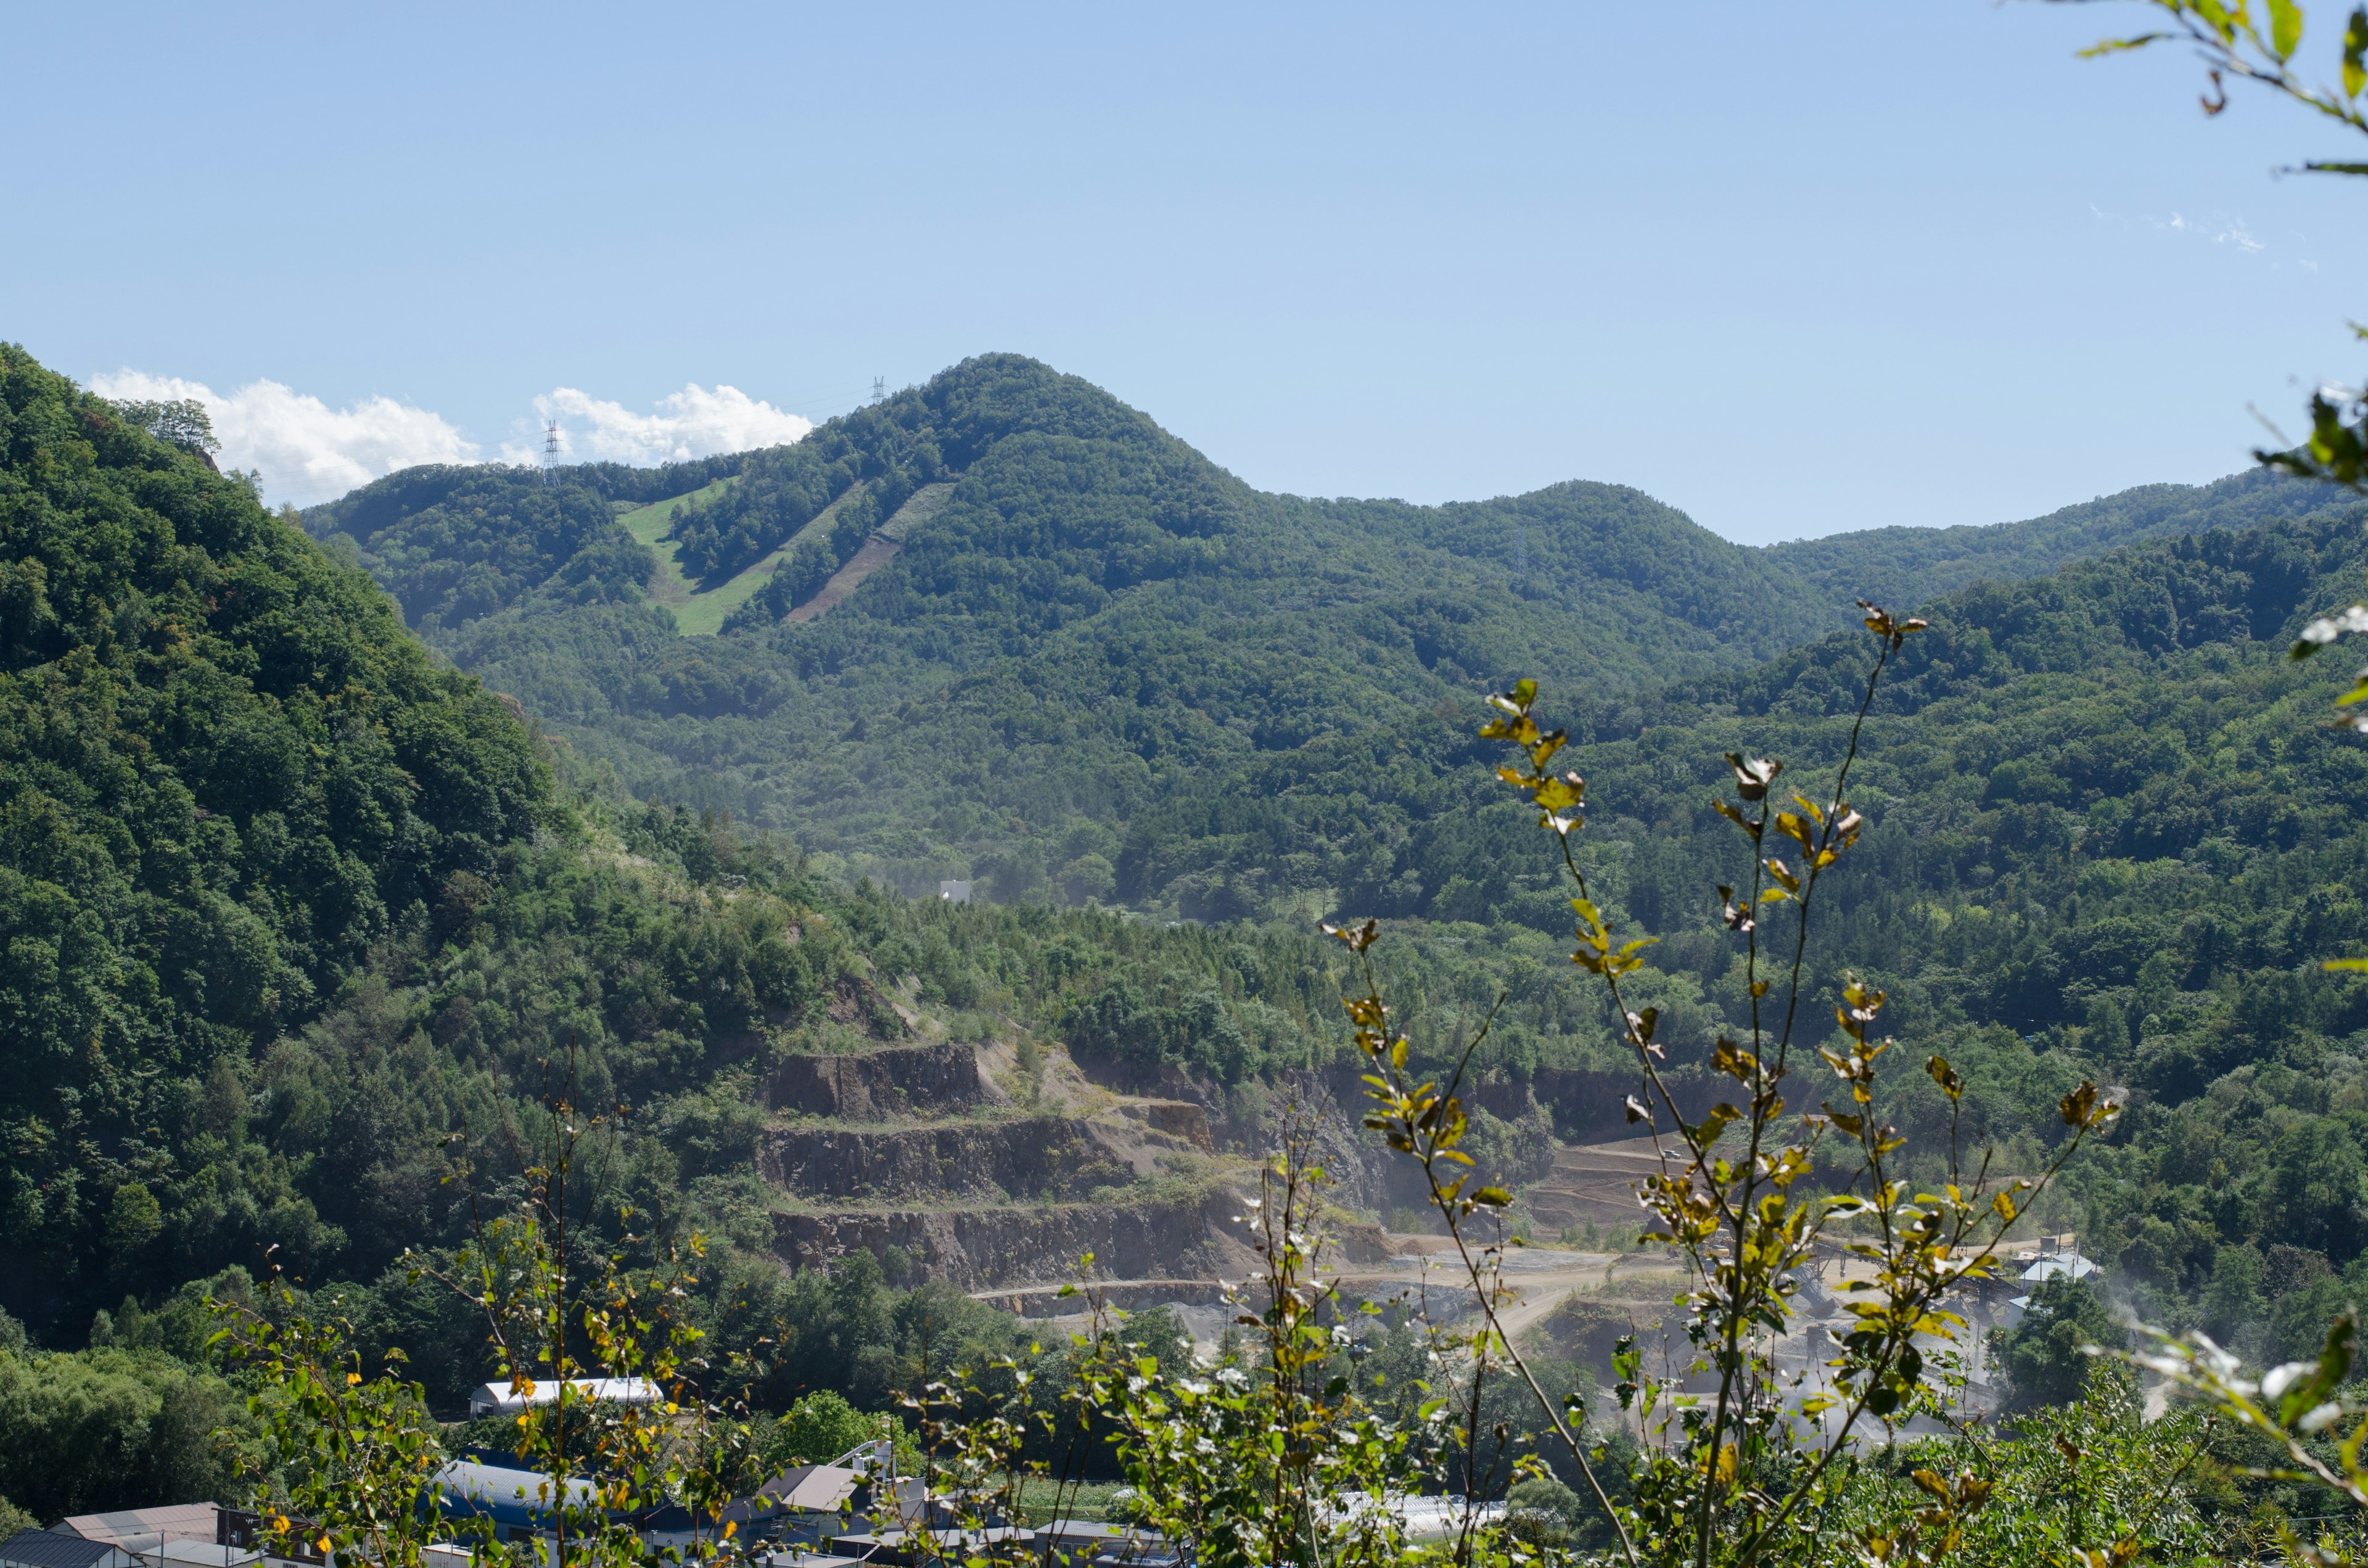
906 1080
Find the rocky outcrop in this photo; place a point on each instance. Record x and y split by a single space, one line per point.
908 1080
1037 1156
977 1249
1184 1119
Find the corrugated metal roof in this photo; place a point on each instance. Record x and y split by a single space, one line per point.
55 1549
139 1528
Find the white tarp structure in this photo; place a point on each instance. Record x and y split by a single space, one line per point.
2060 1266
499 1399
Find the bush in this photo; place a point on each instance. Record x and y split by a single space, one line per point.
819 1428
2043 1354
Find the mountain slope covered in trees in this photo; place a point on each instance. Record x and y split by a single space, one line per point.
2112 838
286 903
295 921
1095 618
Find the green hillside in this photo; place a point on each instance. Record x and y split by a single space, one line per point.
1094 620
286 903
230 779
1909 566
2109 836
293 915
1089 603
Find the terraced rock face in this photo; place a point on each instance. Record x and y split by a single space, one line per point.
918 1147
1594 1184
908 1080
1025 1157
1018 1246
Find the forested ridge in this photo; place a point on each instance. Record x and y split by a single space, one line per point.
287 902
2112 838
1097 616
296 920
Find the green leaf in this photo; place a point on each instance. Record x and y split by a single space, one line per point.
2285 29
2355 49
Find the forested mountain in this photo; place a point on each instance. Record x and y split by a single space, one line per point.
294 918
2110 837
286 903
1087 619
1908 565
229 775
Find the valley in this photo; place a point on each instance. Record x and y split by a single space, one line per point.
1501 787
322 846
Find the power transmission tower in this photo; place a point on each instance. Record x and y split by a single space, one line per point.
550 454
878 388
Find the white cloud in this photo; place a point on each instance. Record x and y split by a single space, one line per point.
2219 231
306 451
693 423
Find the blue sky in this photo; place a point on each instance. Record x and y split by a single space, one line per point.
1794 268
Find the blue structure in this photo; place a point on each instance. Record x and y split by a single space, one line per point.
519 1503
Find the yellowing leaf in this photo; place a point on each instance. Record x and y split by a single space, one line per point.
1553 794
2286 28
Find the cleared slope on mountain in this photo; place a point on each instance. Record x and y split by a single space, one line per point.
455 542
650 525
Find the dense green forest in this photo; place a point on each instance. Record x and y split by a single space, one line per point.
286 905
287 902
2109 836
1097 619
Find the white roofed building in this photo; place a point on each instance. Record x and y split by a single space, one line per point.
2059 1265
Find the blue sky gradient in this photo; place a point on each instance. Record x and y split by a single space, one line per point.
1795 269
